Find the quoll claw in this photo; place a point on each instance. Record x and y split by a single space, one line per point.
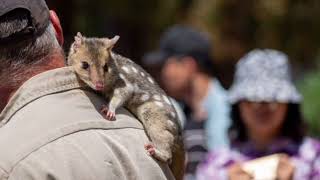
111 116
108 114
155 153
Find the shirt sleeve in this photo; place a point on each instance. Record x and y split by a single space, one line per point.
315 174
218 121
215 166
308 162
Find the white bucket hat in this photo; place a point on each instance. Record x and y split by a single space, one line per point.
264 76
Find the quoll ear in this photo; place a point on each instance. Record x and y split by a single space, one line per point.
78 39
112 42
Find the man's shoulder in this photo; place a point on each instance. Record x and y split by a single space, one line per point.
55 117
53 127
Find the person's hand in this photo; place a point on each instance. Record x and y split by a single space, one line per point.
235 172
285 169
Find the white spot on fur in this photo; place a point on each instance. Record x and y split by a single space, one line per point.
166 99
157 97
116 91
160 104
171 123
126 69
142 74
150 80
136 87
122 76
134 69
173 114
130 87
145 97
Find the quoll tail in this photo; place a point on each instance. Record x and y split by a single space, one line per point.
177 165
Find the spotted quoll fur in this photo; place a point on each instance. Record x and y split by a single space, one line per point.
124 83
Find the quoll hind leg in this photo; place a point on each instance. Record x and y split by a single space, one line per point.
167 148
161 146
163 130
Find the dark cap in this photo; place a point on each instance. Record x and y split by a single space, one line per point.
39 17
182 40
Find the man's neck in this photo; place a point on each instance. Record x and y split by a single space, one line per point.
9 88
261 141
199 87
5 94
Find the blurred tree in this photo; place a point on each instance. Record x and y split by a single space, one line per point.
236 26
310 88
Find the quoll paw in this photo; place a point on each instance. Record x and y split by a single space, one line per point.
108 114
150 149
154 152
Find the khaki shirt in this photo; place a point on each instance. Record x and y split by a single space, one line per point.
52 129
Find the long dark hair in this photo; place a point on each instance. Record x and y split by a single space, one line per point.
294 126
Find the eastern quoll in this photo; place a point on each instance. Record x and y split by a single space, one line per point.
124 83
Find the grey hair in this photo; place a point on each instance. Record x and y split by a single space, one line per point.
20 56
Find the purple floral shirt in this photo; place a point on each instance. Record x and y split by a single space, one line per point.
305 157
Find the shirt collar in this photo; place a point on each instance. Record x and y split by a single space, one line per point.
49 82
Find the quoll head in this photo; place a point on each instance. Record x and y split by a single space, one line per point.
91 59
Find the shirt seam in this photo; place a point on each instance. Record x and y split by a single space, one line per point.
6 172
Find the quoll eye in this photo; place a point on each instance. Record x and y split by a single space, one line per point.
105 68
84 65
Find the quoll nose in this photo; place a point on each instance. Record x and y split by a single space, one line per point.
99 86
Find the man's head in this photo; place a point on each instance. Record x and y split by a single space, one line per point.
29 34
185 52
30 38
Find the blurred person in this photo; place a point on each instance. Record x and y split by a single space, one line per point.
266 120
50 124
153 64
187 76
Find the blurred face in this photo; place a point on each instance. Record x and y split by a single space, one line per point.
263 119
176 75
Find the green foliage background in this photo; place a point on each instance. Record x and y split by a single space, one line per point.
310 88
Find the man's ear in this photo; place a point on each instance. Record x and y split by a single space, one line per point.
112 42
57 26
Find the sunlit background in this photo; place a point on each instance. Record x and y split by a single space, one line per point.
235 26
